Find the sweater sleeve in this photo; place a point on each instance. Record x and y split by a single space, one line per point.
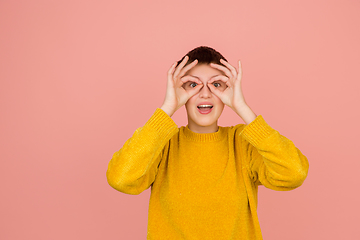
133 168
273 160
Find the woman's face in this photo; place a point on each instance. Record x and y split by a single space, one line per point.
204 108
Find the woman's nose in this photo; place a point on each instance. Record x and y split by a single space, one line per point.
205 92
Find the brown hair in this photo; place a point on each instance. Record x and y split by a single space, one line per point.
203 54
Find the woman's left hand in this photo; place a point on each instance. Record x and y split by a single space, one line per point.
232 95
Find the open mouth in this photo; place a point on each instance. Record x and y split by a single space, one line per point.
204 108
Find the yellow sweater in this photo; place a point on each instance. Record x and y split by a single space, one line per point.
204 186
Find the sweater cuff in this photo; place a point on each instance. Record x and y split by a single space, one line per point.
256 131
162 124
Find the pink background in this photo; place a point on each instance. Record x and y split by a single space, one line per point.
78 77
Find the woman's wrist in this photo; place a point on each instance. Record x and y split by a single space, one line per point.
245 112
168 110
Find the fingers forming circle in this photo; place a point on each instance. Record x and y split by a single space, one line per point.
188 78
221 78
219 83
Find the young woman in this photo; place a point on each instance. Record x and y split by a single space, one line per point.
203 177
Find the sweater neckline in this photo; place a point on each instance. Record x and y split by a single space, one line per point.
204 137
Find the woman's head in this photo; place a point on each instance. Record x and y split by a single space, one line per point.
204 108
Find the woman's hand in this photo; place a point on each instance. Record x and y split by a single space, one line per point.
232 96
176 96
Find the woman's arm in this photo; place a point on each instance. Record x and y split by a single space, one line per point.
133 168
273 160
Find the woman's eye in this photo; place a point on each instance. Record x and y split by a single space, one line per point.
221 86
193 84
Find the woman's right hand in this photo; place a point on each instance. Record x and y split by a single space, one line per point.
176 96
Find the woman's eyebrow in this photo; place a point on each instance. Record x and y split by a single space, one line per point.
199 78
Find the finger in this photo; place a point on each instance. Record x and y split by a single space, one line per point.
170 81
214 90
222 68
194 90
221 83
222 78
189 84
187 68
228 65
171 70
240 71
181 65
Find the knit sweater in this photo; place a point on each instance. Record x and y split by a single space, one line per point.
204 186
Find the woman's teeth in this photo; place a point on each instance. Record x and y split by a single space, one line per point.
205 106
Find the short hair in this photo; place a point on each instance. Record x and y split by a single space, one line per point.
203 54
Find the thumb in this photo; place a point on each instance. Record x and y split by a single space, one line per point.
195 90
214 90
